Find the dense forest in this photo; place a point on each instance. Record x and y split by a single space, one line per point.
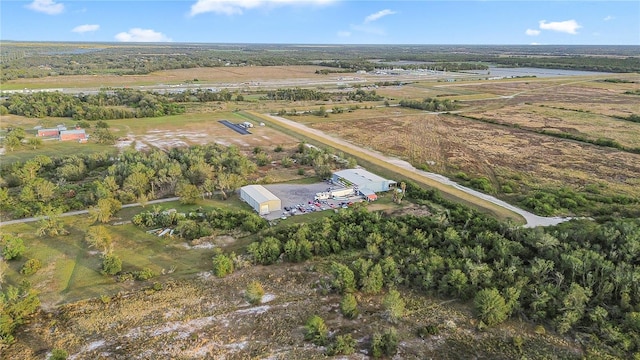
24 60
579 277
113 104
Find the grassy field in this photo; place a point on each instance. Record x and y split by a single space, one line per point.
590 125
71 270
248 74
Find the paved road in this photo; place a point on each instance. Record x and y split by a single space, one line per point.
80 212
532 220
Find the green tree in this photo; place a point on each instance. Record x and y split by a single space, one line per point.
316 331
11 143
342 345
99 237
12 247
15 305
104 210
349 306
188 194
34 142
344 280
254 293
222 265
51 224
385 344
111 264
491 307
374 281
394 305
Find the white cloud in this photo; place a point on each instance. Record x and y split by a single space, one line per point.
378 15
532 32
236 7
608 17
46 6
85 28
568 26
141 35
344 33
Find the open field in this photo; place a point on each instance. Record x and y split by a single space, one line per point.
559 120
234 75
448 144
207 317
71 269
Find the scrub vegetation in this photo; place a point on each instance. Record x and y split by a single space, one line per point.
415 275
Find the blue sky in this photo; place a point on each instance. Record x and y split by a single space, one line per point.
325 21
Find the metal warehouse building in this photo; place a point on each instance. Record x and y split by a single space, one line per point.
260 199
364 182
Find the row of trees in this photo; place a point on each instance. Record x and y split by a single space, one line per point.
116 104
430 104
79 181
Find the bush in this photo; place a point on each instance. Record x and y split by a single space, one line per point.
111 265
394 306
13 247
254 293
384 344
31 267
222 265
59 354
428 330
316 331
491 307
144 274
343 345
344 280
349 306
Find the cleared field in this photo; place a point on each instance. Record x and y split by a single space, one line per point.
587 124
449 143
207 317
203 75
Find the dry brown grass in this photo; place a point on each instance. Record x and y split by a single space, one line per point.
588 124
204 75
488 150
208 317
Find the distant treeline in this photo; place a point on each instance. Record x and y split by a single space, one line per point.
25 61
116 104
297 94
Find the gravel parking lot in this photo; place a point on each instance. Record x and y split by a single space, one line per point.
293 194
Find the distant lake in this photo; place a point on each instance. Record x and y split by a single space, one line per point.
537 72
72 52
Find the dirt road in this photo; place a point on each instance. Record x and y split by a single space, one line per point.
80 212
438 181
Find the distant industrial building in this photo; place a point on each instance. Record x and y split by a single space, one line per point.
77 134
54 132
363 182
260 199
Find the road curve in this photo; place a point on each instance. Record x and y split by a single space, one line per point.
532 220
80 212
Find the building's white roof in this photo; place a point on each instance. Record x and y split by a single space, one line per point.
259 193
76 131
360 177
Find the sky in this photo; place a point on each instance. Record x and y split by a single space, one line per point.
482 22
